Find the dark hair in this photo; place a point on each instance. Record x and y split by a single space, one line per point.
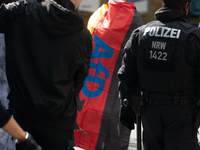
175 4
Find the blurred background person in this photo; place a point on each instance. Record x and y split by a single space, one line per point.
6 142
195 13
5 139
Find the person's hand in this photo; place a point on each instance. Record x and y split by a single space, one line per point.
28 144
127 116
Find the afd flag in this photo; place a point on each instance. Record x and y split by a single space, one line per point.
98 102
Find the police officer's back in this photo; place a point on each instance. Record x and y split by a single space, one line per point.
162 59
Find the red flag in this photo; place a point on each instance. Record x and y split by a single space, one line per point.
98 103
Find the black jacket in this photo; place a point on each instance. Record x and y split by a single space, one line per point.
128 73
4 115
48 51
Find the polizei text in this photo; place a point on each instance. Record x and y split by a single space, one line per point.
162 32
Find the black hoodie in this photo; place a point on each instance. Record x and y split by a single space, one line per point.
48 51
4 115
166 14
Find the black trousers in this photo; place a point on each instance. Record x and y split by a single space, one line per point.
169 127
47 137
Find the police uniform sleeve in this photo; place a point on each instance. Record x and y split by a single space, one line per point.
193 54
196 46
193 57
196 41
127 76
4 115
127 73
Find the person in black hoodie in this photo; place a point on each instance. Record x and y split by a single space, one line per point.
161 67
48 51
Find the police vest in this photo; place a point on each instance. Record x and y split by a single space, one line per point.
161 58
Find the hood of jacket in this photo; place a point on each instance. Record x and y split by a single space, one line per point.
59 18
166 15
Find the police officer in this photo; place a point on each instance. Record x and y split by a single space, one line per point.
162 59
